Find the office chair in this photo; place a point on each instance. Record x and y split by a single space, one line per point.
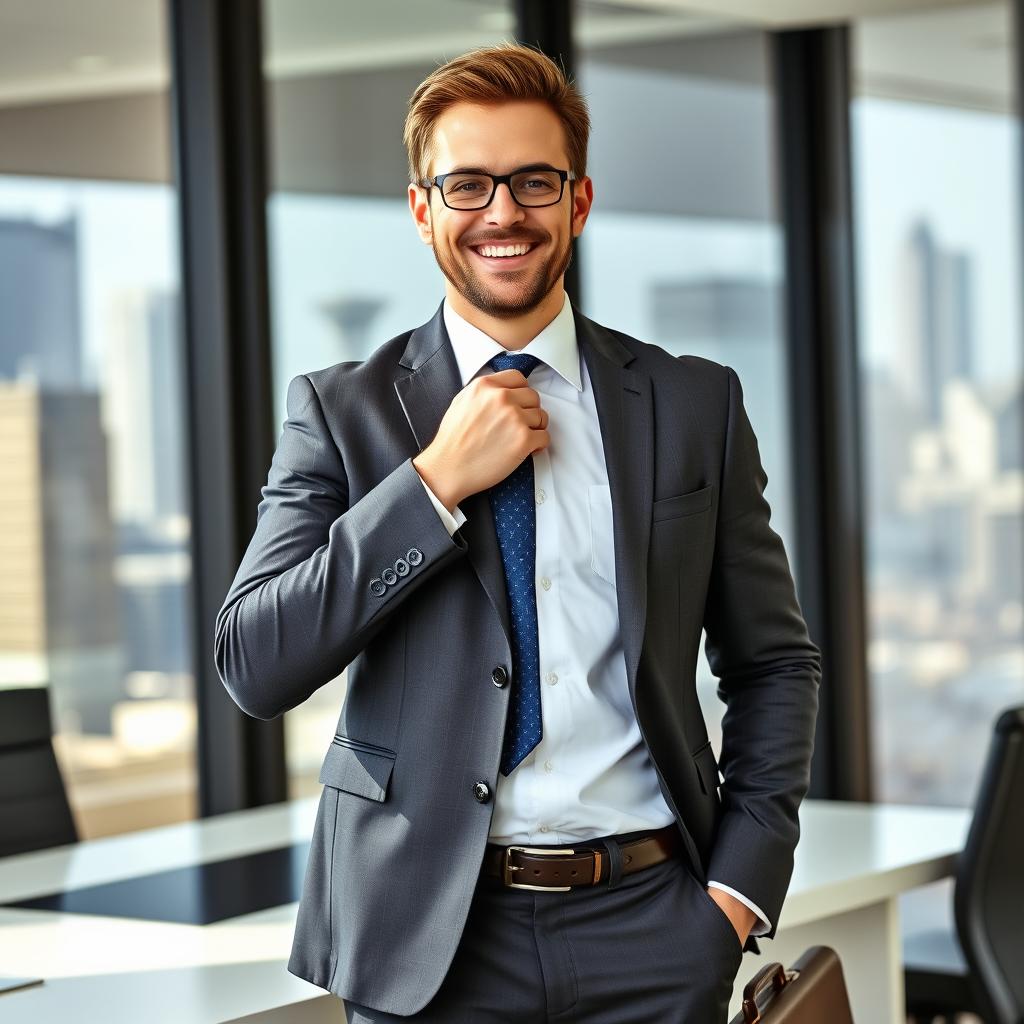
34 809
976 965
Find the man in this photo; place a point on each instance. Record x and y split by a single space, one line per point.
511 525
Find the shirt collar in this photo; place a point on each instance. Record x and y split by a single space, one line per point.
555 345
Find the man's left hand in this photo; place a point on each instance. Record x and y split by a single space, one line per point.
741 916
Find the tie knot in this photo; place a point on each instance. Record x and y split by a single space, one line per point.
526 364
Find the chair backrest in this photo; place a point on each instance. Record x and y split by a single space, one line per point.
988 895
34 809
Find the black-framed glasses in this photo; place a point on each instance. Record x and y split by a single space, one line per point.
473 191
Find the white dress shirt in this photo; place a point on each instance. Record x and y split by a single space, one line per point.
590 775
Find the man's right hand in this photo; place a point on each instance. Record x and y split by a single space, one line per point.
492 424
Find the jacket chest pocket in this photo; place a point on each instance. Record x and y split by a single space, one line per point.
674 509
679 505
358 767
682 535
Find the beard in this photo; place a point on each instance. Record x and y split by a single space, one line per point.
505 302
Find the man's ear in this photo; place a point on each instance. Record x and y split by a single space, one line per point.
419 206
582 200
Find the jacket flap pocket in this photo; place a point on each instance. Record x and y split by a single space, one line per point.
707 768
361 770
682 504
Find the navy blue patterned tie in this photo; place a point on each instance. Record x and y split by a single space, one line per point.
515 519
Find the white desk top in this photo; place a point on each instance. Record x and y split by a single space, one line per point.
120 969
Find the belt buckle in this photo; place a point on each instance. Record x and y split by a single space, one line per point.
507 868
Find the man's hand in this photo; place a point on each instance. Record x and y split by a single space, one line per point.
491 426
741 916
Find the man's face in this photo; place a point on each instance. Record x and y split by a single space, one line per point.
500 138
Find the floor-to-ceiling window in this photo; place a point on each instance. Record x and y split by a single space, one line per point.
683 246
94 541
347 268
937 208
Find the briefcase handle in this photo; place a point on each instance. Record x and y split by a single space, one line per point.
771 974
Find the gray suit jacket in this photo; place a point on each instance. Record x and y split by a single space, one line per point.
350 565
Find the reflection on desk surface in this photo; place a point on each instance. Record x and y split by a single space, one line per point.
194 894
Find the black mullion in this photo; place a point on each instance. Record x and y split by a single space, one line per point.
812 94
220 153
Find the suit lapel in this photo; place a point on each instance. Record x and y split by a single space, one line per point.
425 394
623 400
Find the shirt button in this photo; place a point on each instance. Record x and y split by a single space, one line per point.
540 497
545 582
552 678
547 766
544 828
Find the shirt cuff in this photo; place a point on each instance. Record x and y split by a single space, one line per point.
452 523
761 925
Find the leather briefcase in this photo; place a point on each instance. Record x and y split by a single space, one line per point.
812 991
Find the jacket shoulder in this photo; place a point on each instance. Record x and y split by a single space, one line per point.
378 369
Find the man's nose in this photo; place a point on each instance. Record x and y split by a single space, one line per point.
503 209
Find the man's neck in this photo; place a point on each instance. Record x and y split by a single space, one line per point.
513 334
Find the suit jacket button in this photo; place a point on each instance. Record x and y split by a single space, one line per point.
377 587
389 576
482 792
414 555
499 676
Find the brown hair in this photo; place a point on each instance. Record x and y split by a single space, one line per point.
495 74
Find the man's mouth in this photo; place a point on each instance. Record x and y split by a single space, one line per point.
504 256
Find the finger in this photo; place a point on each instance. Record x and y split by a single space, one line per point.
510 377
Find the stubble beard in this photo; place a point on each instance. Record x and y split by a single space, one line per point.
527 294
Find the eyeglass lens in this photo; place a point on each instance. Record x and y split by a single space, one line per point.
531 188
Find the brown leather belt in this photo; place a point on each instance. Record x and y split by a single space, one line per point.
561 868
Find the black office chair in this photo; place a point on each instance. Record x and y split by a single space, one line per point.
34 809
976 964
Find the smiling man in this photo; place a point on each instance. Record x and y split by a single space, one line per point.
511 524
509 297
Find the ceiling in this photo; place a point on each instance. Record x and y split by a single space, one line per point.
954 53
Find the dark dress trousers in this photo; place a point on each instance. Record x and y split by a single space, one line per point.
350 565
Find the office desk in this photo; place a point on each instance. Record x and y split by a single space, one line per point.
204 954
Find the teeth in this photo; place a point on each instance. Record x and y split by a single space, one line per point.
503 250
